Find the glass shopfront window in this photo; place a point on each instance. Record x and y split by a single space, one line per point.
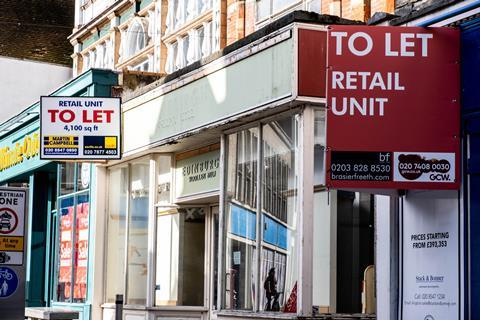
241 206
64 262
276 277
116 226
280 196
137 253
67 176
129 189
80 265
72 237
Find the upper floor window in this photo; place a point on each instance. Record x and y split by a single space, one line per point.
193 46
268 8
181 12
89 9
136 37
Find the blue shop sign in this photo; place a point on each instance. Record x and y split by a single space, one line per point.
8 282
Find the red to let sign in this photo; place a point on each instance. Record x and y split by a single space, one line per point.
393 117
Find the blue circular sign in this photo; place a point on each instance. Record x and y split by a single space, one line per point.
8 282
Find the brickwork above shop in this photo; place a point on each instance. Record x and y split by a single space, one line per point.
36 30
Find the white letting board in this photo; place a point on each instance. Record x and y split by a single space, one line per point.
431 257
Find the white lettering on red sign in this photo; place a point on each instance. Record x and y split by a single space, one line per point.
361 44
406 43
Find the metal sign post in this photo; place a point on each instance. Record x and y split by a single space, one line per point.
13 206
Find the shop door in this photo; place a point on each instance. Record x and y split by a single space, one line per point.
355 252
181 235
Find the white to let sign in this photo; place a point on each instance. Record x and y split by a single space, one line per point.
80 128
431 257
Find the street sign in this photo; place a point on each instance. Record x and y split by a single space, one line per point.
393 117
8 282
13 206
80 128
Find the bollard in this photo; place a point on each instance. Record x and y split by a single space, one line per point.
119 307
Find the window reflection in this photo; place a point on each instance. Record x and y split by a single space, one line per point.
138 233
277 265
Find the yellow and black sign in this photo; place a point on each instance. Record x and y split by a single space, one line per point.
11 243
110 142
60 145
60 142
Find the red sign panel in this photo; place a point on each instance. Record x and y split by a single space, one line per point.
393 117
312 54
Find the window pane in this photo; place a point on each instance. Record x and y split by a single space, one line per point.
319 145
263 9
282 4
81 248
280 210
138 233
117 212
64 261
83 176
180 257
315 6
164 179
241 202
67 172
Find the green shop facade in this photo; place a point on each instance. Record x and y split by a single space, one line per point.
60 255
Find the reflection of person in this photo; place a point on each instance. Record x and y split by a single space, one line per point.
270 286
4 288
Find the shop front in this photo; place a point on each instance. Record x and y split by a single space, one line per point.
219 209
61 217
222 206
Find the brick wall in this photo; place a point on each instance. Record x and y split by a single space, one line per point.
382 6
235 20
241 14
362 9
249 16
37 29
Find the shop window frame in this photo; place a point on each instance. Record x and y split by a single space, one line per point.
152 215
305 191
57 212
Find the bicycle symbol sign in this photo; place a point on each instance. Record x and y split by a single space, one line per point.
8 282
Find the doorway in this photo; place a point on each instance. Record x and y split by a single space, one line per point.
185 239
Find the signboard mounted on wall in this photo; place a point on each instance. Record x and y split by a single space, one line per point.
13 205
431 265
80 128
197 171
393 118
